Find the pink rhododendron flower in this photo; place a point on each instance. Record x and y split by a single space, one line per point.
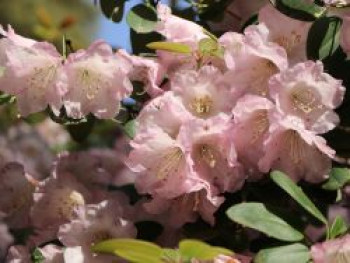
213 153
292 35
33 75
332 251
307 92
17 188
96 223
164 168
251 118
296 151
345 35
96 82
204 93
166 112
234 259
186 208
147 70
176 29
55 201
252 59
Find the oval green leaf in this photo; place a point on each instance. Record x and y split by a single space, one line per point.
195 249
113 10
170 47
323 38
130 129
256 216
338 228
133 250
299 9
297 194
338 178
296 253
142 18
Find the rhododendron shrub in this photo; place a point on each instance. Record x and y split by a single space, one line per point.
200 146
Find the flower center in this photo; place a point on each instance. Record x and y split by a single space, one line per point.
304 100
289 42
208 155
67 203
202 105
40 79
260 125
261 73
169 163
92 83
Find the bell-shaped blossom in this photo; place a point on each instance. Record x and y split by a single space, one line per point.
176 29
96 82
292 35
306 91
204 93
297 152
186 208
345 35
147 70
32 74
252 59
250 129
16 189
215 160
5 240
166 112
54 202
337 251
163 167
95 223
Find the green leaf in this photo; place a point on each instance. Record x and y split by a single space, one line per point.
37 256
6 98
299 9
142 18
337 179
338 228
256 216
297 194
170 46
171 255
296 253
323 37
133 250
195 249
130 129
113 9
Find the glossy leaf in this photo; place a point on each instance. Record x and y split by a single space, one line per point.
297 194
133 250
299 9
323 37
256 216
113 9
170 46
338 228
296 253
195 249
142 18
337 179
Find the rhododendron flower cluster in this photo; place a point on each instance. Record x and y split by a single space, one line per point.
217 114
